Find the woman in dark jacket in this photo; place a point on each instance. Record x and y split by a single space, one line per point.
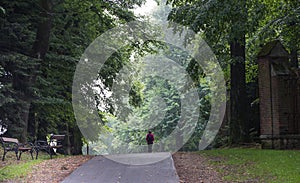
150 139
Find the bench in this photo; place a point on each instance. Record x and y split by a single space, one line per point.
12 144
54 143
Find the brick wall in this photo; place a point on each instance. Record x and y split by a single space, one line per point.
264 97
279 97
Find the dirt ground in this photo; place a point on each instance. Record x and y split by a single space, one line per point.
194 168
52 170
191 168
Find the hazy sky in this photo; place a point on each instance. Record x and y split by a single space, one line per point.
147 8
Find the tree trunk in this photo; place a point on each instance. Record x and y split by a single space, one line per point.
68 139
25 115
87 149
39 51
77 141
179 139
41 44
238 98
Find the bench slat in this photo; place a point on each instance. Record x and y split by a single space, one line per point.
24 148
58 137
7 139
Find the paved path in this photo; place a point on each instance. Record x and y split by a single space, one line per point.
135 170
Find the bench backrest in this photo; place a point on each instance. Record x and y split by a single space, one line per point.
57 137
54 140
9 143
7 139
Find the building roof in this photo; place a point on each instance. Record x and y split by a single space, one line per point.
273 49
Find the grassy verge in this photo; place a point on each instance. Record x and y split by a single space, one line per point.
19 170
256 165
13 169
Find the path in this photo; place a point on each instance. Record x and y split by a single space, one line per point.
101 169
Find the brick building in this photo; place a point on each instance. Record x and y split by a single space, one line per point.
279 97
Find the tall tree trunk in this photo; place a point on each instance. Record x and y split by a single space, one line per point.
77 141
39 50
238 98
41 44
68 138
25 115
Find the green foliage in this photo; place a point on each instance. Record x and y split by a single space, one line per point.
45 86
223 22
16 67
159 108
277 20
220 22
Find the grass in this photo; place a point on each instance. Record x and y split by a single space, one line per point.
11 168
257 165
14 171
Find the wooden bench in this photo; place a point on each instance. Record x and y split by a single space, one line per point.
12 144
55 142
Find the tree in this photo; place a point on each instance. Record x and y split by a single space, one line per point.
68 40
19 67
281 21
225 25
41 42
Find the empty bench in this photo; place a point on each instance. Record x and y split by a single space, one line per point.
55 142
12 144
